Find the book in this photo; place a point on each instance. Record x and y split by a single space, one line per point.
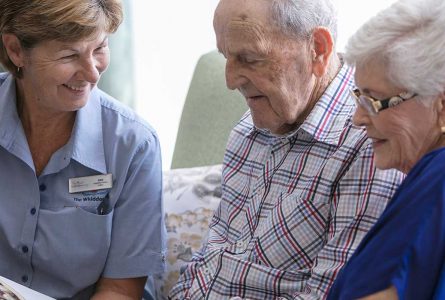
7 293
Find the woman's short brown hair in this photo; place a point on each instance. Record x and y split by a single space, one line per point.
35 21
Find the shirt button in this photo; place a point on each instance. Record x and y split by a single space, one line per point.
42 187
24 278
241 244
25 249
33 211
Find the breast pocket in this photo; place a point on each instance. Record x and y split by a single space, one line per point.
293 233
95 202
72 245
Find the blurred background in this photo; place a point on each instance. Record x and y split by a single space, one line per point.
157 47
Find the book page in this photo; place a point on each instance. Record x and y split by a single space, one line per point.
7 293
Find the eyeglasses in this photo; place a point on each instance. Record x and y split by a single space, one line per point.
373 106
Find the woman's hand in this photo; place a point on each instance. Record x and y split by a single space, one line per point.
120 289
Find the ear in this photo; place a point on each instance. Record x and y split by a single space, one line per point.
13 49
441 110
323 47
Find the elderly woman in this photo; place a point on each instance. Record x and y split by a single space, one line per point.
80 175
400 73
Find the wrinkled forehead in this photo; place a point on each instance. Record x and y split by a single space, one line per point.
246 21
251 11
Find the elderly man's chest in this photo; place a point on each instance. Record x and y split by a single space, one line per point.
282 209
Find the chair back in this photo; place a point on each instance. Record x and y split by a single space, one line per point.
210 112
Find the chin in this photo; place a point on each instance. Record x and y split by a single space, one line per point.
76 106
384 163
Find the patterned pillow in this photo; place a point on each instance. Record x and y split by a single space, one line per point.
190 197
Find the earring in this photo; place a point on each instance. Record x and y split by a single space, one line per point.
442 129
19 70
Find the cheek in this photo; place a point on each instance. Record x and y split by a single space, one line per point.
103 62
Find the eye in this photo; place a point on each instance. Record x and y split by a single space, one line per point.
101 48
69 56
247 59
250 60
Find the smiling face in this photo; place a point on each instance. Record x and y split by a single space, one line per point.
272 70
400 135
59 76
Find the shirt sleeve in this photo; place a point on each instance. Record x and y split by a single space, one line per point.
138 232
188 274
358 200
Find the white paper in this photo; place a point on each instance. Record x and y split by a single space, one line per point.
24 292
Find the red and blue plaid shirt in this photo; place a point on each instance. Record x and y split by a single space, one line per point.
294 208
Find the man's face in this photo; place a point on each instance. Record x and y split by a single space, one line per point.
272 70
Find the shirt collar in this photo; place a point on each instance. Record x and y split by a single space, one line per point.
327 119
87 137
8 111
11 130
86 142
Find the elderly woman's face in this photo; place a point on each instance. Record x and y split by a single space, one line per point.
402 134
59 76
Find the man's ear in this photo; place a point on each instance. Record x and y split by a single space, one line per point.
13 49
323 47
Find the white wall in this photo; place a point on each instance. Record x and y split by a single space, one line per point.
171 35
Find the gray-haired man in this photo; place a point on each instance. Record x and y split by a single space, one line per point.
299 185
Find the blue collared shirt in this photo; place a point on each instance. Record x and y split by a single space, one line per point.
56 242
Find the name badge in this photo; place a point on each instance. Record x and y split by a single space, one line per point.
90 183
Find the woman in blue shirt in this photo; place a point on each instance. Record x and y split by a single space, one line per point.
400 74
80 175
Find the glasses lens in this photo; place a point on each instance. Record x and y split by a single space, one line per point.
367 103
363 101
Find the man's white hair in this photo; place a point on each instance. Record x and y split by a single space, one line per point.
409 38
298 18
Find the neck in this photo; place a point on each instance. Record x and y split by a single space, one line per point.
321 84
38 121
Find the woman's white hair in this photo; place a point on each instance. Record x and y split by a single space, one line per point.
409 37
298 18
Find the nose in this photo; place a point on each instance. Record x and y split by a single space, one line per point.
92 68
234 77
361 117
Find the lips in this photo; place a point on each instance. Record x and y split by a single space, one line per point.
79 88
254 98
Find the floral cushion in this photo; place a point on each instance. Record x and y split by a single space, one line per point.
190 197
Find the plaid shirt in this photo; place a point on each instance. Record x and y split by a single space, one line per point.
294 208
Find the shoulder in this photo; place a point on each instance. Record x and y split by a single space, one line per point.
121 122
245 124
428 172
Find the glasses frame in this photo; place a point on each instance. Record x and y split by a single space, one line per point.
374 106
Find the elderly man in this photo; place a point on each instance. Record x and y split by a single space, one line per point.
299 185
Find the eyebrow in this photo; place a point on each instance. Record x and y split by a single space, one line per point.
65 47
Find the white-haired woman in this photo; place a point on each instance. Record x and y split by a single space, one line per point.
400 73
